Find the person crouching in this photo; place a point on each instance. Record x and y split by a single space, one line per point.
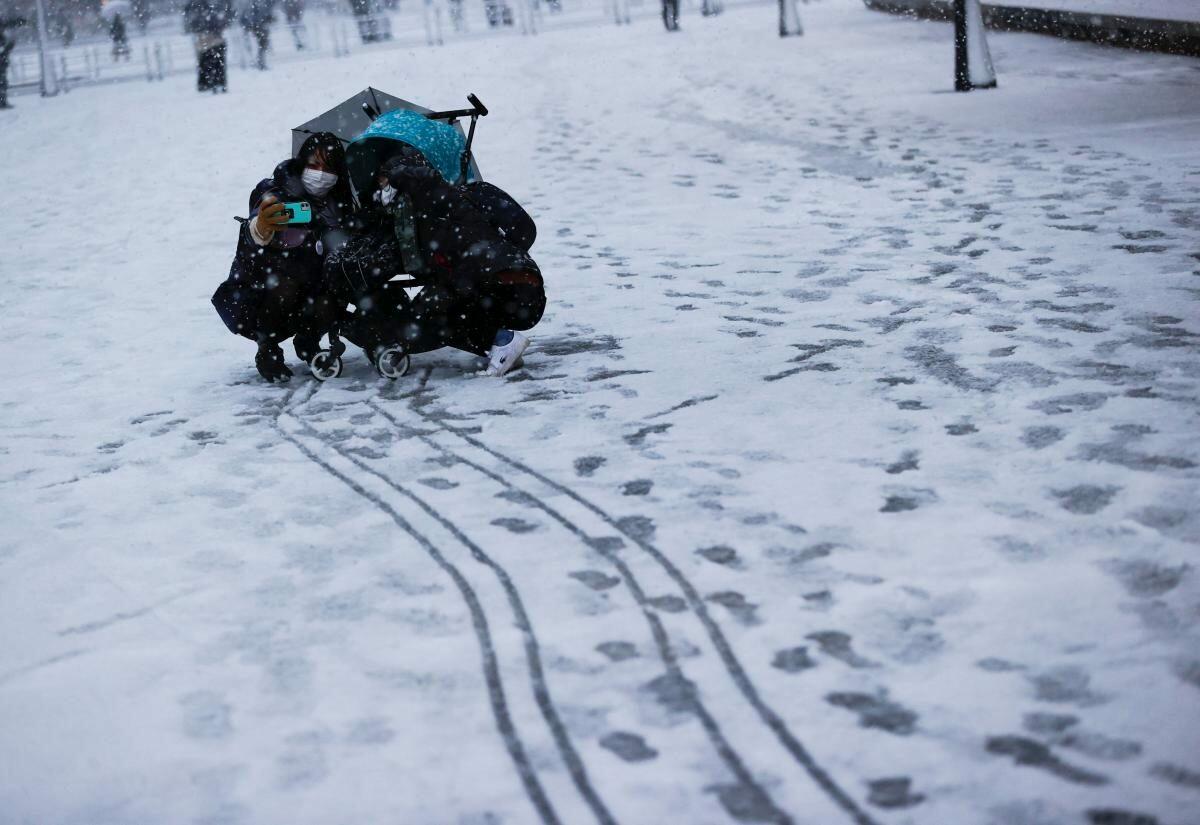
275 288
468 244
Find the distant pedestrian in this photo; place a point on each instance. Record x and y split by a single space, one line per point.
66 29
789 19
498 12
456 15
293 12
256 20
670 15
368 24
207 21
120 38
6 47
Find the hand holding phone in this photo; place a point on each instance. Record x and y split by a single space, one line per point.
297 212
271 217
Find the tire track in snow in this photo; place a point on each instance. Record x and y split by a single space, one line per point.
491 670
541 691
727 753
729 660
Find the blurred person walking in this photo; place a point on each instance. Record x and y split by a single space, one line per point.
498 13
120 38
293 12
670 15
368 22
6 46
66 29
207 21
256 20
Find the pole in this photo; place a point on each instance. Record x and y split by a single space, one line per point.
972 60
962 71
47 85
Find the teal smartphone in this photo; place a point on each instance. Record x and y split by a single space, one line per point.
299 212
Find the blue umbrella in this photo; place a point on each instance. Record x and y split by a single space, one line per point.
440 143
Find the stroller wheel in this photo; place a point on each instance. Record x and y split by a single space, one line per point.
392 363
325 365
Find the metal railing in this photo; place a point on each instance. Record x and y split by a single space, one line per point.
162 51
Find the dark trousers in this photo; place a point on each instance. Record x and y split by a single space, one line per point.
443 317
670 14
263 38
271 314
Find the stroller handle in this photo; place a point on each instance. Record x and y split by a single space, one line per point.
477 110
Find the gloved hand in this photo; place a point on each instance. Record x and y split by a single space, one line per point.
270 217
413 176
269 361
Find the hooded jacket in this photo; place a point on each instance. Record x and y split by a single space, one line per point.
470 232
295 254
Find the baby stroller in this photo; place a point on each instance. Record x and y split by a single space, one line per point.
369 275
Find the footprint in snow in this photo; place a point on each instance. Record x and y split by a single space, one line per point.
628 746
893 792
515 525
595 579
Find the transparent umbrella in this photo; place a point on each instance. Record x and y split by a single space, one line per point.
112 8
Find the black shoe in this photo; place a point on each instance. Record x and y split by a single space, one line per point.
269 361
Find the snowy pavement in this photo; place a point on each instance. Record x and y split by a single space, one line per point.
852 476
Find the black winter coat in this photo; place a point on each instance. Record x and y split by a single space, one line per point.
472 230
294 255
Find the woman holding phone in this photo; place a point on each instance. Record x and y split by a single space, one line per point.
274 289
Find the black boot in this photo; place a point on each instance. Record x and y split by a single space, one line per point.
269 361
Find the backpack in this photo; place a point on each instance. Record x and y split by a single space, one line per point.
502 212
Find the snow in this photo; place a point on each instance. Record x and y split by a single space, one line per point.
835 359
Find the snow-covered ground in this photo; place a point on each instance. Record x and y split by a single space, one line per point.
852 476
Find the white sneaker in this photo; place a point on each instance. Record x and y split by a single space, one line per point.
505 356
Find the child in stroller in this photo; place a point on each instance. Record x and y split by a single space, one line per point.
464 245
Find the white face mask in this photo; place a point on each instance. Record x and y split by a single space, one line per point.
318 183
